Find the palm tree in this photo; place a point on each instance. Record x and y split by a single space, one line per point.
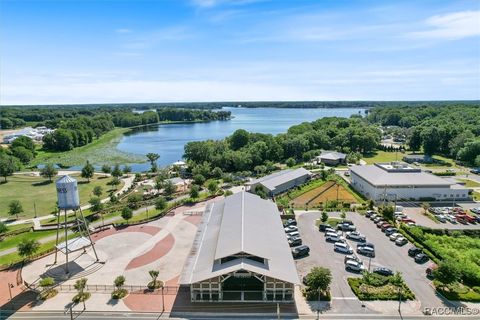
153 157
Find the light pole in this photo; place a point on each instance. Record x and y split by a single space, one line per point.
399 299
163 301
10 286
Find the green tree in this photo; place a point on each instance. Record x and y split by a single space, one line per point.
154 284
153 157
415 139
47 287
87 171
24 141
324 175
388 212
134 200
343 215
8 165
239 139
127 213
48 171
115 182
119 282
127 169
169 188
80 285
159 182
194 191
397 279
23 154
106 169
95 204
15 208
290 162
448 271
3 227
324 216
319 279
198 179
116 172
425 207
160 203
217 173
260 191
27 248
97 191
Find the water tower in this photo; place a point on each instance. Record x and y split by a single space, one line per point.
68 200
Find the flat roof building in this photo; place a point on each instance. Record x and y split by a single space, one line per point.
398 180
280 181
235 257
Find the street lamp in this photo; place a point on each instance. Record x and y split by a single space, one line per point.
10 286
399 299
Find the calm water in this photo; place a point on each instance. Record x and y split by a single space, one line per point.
169 140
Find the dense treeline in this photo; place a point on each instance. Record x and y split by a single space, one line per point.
170 114
452 131
77 132
244 151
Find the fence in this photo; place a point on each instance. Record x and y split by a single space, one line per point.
107 288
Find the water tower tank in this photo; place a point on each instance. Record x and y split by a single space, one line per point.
67 193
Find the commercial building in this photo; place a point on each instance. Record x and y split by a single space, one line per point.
397 180
280 181
236 258
332 158
33 133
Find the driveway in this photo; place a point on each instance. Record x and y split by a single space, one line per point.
387 254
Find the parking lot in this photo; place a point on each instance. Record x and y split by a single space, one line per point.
416 213
387 254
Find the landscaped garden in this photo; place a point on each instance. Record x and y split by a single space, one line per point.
372 286
457 254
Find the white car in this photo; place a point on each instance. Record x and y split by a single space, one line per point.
328 229
451 218
354 266
334 238
291 229
357 236
342 247
441 218
394 236
400 241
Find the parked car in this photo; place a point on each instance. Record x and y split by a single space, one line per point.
357 236
369 213
475 210
465 217
334 238
378 219
345 221
451 218
383 271
405 220
421 258
346 227
330 229
290 222
366 251
441 218
366 244
413 251
373 216
475 171
395 236
401 241
334 233
351 257
293 234
290 229
354 266
390 231
342 247
385 226
300 251
324 226
295 241
383 222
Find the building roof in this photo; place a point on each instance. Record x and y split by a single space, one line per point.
177 180
236 225
377 176
272 181
332 155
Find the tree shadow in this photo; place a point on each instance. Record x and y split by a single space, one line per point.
3 182
26 299
83 182
42 183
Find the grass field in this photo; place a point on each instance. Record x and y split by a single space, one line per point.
383 156
100 151
470 183
327 192
13 241
30 189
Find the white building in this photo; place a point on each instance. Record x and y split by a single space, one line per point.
35 134
398 180
236 258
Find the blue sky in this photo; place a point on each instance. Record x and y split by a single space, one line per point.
237 50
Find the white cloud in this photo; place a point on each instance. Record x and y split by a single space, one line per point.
451 26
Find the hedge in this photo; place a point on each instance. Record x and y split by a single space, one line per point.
355 284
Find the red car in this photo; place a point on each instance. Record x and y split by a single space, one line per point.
465 218
385 226
406 220
430 270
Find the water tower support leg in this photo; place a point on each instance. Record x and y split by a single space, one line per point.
56 241
88 234
66 244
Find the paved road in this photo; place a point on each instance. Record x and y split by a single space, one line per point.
387 254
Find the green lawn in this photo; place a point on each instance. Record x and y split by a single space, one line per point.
470 183
19 226
12 242
476 195
103 150
383 156
28 189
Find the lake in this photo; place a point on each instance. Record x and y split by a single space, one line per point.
168 140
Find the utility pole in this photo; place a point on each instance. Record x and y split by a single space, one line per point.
399 299
35 208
